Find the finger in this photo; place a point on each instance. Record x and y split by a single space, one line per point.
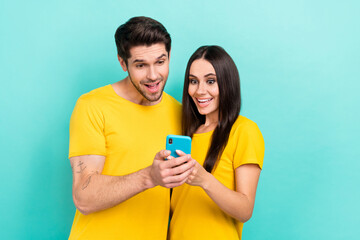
182 168
178 161
166 171
191 177
162 154
189 180
180 153
196 169
172 185
178 178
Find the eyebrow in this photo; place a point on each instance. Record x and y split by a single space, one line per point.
138 60
163 55
142 60
210 74
207 75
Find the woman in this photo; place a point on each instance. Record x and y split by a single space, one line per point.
220 192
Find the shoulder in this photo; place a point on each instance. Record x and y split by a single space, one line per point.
243 123
169 100
244 128
93 101
96 96
247 142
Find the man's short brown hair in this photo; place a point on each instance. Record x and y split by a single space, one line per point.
139 31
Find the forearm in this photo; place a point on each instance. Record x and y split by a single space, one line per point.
97 192
93 191
233 203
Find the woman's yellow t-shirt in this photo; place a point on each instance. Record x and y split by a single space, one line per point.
195 214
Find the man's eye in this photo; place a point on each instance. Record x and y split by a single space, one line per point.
140 65
161 62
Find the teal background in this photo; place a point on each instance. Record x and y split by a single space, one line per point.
299 66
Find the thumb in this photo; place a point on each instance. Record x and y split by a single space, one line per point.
180 153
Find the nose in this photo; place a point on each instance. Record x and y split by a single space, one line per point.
152 73
201 90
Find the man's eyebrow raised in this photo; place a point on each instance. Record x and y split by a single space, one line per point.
142 60
138 60
163 55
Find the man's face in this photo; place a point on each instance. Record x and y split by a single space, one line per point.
148 69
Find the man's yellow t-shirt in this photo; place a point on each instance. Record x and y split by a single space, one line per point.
128 135
195 214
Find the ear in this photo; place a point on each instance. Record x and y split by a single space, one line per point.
122 63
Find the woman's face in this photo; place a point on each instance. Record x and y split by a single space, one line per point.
203 88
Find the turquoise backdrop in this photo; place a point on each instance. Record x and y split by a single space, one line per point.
299 64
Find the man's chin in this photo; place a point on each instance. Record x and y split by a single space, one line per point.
154 97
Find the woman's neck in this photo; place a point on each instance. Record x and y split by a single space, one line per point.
210 124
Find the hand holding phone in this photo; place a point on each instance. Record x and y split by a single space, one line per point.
178 142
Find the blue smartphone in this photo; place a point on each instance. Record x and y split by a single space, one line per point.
178 142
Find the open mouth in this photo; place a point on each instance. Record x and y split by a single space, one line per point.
152 87
204 102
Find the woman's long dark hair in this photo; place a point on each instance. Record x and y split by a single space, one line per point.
229 101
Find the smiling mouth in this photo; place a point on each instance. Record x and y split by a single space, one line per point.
204 102
152 87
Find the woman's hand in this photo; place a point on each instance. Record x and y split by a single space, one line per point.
199 176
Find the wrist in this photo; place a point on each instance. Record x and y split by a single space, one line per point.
146 179
207 181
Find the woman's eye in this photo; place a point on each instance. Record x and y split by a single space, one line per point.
211 81
193 81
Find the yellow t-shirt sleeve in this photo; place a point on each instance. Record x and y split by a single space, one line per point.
86 130
250 147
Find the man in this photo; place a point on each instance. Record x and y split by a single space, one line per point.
119 189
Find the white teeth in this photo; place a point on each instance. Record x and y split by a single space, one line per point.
204 100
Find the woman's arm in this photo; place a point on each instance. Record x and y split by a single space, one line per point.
238 204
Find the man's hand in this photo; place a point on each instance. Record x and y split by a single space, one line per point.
172 172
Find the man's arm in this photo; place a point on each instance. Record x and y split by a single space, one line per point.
93 191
